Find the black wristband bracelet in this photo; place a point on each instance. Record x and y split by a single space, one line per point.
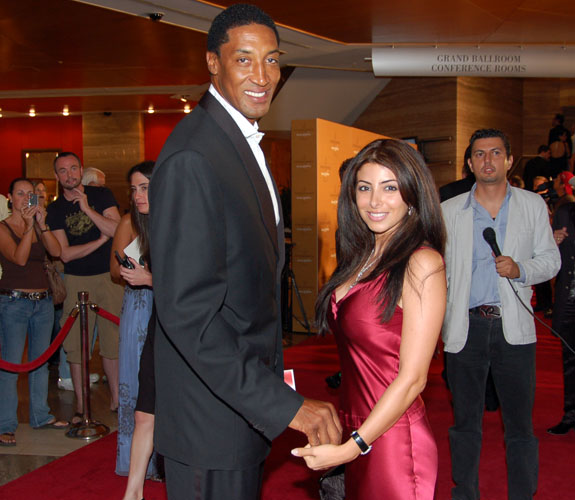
363 446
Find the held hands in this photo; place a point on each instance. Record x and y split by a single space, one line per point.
327 455
318 420
506 267
139 276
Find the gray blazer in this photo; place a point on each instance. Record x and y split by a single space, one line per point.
528 240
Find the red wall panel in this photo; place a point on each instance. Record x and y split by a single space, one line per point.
17 134
157 128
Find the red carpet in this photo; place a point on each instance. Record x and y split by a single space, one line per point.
88 474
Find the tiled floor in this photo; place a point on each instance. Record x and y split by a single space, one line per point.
36 448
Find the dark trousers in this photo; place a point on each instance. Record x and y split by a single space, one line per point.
185 482
513 370
543 296
564 323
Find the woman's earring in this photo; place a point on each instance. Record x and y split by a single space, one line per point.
410 210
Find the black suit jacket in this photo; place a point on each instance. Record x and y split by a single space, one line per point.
217 257
455 188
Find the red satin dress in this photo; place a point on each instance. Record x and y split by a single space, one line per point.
403 462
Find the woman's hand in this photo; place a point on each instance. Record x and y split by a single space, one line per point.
327 456
41 217
28 214
139 276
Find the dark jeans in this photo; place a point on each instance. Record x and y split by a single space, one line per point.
513 370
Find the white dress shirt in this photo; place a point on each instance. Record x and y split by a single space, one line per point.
253 136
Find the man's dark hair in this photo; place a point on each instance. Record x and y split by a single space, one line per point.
466 170
233 17
542 149
64 155
560 118
488 133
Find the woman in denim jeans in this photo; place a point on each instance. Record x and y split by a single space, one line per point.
25 307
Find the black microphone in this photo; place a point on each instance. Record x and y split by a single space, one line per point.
491 239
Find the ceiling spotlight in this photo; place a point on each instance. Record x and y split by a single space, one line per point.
187 108
0 112
66 111
184 98
151 108
32 111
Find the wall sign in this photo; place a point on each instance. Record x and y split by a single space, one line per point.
488 61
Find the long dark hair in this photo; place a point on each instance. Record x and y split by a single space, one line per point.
423 227
140 221
13 186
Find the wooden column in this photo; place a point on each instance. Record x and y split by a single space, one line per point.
114 142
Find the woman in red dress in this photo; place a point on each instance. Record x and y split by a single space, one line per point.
385 304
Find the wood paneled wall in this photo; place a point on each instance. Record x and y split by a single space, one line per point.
489 103
436 108
541 101
114 143
422 107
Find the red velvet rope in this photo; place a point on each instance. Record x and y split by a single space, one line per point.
105 314
32 365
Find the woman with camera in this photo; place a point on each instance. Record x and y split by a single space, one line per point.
25 307
130 262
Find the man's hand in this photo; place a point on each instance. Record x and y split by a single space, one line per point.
81 199
560 234
318 420
506 267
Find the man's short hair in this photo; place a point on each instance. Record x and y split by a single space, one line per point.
542 149
233 17
488 133
91 174
560 118
64 155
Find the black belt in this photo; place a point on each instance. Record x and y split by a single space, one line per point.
487 311
17 294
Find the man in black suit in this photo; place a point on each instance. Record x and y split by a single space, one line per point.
537 166
461 186
217 253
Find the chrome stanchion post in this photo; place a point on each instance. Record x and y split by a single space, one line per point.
87 428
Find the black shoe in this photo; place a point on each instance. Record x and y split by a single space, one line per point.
561 428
